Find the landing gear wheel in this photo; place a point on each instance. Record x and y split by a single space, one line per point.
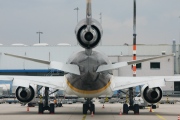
41 110
153 106
92 109
85 108
125 109
51 108
136 109
60 105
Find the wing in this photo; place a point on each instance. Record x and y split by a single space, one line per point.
56 82
122 64
126 82
53 64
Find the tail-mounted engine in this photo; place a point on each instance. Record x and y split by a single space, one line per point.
151 95
25 94
88 38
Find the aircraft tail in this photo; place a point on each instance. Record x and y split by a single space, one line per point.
88 14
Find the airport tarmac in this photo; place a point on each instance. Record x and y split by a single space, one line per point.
74 112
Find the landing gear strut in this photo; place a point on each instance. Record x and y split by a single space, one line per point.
132 106
88 105
153 106
46 106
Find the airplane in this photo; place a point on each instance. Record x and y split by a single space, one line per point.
88 73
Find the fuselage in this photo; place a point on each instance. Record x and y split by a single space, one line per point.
89 83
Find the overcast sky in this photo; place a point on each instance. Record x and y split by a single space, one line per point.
158 21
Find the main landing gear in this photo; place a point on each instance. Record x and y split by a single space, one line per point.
45 106
134 108
88 105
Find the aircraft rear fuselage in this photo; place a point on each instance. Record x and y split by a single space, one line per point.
89 82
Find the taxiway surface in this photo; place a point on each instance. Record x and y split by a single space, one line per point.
74 112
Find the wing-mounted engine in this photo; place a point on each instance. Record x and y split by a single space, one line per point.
88 38
151 95
25 95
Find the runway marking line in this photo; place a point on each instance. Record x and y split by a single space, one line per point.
84 117
159 116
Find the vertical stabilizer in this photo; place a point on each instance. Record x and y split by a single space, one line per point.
88 14
88 31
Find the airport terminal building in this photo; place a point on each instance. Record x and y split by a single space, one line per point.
168 66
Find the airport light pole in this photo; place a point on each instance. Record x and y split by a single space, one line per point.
100 18
77 16
77 13
101 24
179 30
39 35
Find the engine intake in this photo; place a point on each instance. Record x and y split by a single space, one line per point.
151 95
25 94
88 38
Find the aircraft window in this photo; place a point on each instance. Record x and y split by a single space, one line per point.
155 65
176 86
138 66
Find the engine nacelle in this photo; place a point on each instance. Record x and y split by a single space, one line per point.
25 95
151 95
88 39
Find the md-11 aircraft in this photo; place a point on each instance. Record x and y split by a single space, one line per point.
88 73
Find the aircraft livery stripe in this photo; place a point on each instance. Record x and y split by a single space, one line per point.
88 91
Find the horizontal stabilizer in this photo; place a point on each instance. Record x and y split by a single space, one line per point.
65 67
28 58
70 68
122 64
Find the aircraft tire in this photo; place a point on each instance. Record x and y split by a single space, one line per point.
60 104
125 109
93 108
51 108
85 108
40 110
136 109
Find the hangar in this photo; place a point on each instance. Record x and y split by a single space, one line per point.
168 66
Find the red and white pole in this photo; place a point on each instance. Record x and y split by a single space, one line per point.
131 91
134 39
